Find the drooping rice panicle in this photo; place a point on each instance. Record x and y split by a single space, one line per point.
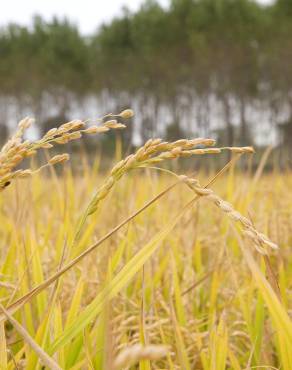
17 149
260 240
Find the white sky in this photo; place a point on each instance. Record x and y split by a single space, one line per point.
87 14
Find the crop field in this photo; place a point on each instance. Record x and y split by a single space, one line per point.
144 265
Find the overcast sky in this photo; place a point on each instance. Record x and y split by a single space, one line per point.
87 14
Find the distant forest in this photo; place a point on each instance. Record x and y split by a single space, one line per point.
221 68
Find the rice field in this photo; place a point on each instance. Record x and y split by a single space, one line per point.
142 266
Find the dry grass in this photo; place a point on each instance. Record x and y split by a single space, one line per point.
147 273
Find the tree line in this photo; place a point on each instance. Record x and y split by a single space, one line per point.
196 67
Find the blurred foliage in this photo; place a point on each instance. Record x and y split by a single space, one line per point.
165 59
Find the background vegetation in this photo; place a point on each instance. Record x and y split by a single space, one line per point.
205 67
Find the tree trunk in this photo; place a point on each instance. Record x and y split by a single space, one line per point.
228 123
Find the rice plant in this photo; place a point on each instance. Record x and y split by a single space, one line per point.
142 267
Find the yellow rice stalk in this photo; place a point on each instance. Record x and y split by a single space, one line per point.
219 346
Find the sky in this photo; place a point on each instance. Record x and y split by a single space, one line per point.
87 14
